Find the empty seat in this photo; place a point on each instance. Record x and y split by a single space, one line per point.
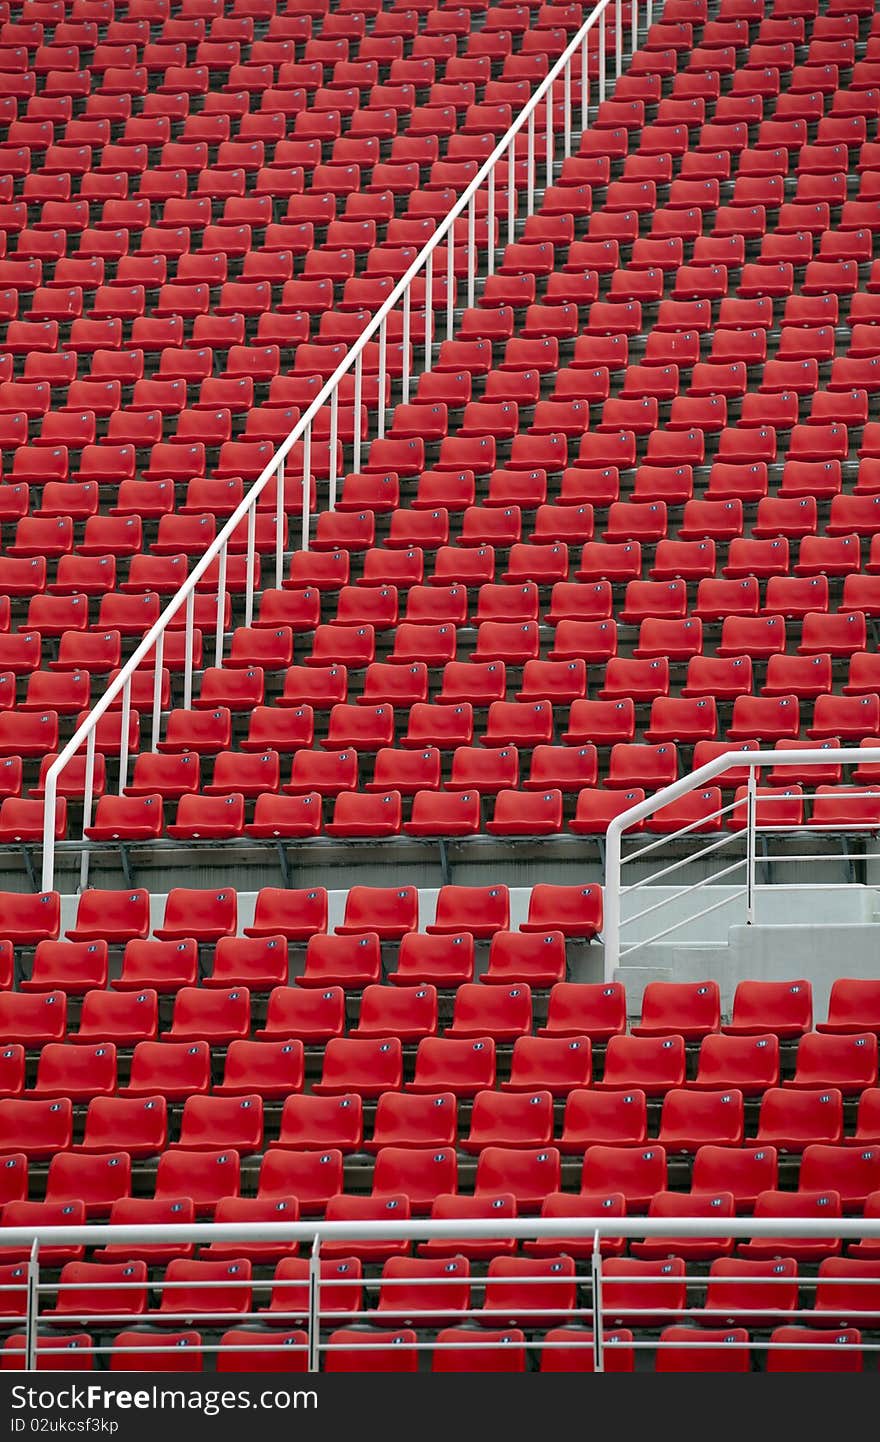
655 1064
690 1010
749 1063
591 1009
853 1006
848 1062
479 910
391 912
784 1008
367 1067
792 1119
638 1172
804 1206
803 1349
311 1122
628 1298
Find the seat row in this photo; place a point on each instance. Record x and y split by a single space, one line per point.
351 1349
298 914
833 1180
135 1122
455 814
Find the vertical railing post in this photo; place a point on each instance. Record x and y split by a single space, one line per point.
407 303
188 656
251 554
566 106
602 57
530 164
315 1304
596 1274
471 249
450 281
585 83
220 624
307 479
279 525
88 796
618 38
334 447
611 921
158 662
50 803
490 222
548 100
123 737
512 198
429 312
358 392
33 1308
752 799
383 347
634 39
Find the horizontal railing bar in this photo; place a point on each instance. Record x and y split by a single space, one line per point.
424 1229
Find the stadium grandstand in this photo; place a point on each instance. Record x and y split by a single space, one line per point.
439 685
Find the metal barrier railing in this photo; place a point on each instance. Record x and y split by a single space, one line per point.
317 1318
593 58
749 825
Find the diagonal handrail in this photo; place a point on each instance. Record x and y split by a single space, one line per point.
302 431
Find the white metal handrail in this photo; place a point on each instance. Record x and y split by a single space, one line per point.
594 1314
576 55
750 761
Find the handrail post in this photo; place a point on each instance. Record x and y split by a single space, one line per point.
334 447
251 556
279 524
356 430
752 798
307 477
490 222
596 1275
383 347
125 723
88 796
550 137
158 662
530 164
618 38
33 1307
220 626
585 83
634 38
188 657
601 57
404 381
566 106
611 908
50 805
450 281
314 1303
471 249
512 197
429 313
